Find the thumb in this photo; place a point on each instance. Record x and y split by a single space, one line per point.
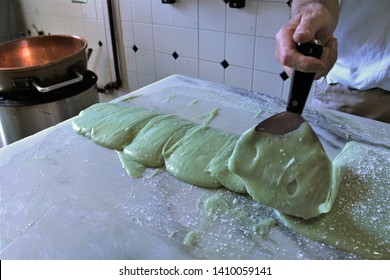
303 35
304 31
308 28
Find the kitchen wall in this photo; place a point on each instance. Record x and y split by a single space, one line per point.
199 38
7 21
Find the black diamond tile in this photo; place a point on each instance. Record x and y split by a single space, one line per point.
135 49
284 76
289 2
175 55
226 1
225 64
100 43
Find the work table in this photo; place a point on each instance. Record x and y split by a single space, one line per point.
64 197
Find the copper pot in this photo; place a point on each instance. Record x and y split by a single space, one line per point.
43 62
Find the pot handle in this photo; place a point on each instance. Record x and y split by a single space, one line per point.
79 78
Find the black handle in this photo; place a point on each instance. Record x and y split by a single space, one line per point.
301 82
239 4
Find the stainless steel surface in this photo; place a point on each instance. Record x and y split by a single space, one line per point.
46 59
281 123
17 122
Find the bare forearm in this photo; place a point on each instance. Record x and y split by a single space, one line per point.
298 6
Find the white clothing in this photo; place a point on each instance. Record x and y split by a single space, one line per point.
363 34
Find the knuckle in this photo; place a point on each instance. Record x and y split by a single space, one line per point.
284 59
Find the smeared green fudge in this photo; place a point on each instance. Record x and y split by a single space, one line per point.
359 221
188 158
119 128
291 173
218 168
147 146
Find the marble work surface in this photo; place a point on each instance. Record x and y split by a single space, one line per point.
63 197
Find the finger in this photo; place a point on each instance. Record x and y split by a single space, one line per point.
333 51
308 64
329 57
285 45
294 59
288 71
312 25
324 57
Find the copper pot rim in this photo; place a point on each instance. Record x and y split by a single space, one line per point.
81 50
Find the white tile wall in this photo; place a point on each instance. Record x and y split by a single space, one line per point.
88 10
264 56
130 57
186 42
127 34
164 38
211 45
142 11
267 82
203 33
240 50
242 21
145 62
165 65
187 66
211 71
212 15
185 13
270 17
143 36
162 14
238 77
126 11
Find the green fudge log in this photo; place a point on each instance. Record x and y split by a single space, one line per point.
187 159
147 146
132 167
218 168
291 173
87 118
119 128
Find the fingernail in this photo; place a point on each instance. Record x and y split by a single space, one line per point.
303 32
302 35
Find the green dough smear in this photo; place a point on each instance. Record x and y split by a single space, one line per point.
291 173
344 203
147 146
359 221
188 158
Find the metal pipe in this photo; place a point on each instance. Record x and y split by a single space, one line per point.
118 83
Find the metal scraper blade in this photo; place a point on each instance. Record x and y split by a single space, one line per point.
291 119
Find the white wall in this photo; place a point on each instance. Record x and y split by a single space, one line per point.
8 29
202 32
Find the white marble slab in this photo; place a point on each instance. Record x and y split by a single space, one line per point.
63 197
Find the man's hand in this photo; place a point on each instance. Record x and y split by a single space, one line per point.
312 21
